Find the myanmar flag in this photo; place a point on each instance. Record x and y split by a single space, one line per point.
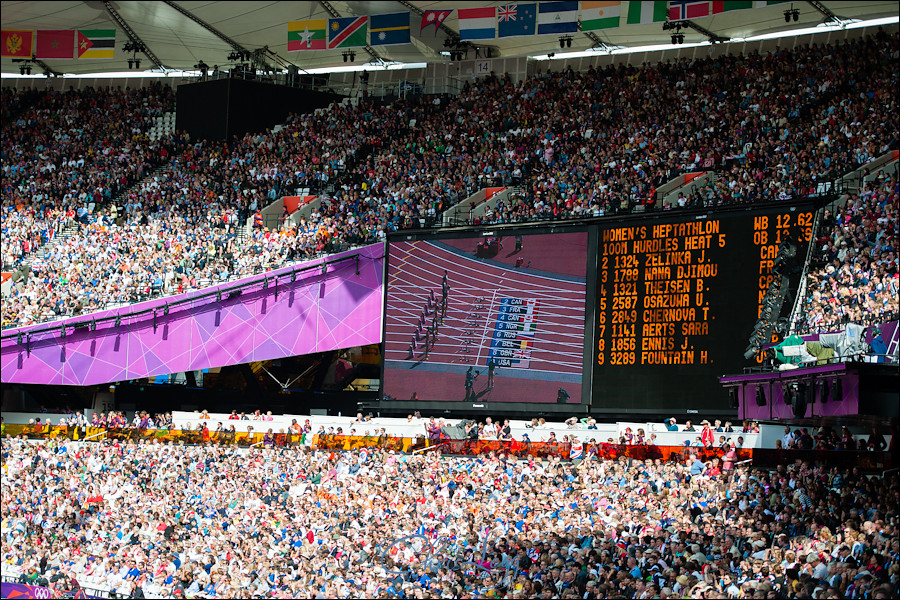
307 35
348 32
96 43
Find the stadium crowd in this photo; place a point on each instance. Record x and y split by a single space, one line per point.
574 144
176 230
166 520
856 276
774 126
63 151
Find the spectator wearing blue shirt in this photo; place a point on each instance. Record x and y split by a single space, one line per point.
634 569
879 348
133 572
697 467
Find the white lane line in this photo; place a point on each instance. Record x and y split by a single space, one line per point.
486 321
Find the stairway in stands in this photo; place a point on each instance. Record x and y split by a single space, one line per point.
24 265
344 177
162 126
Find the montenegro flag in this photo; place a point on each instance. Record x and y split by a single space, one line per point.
16 43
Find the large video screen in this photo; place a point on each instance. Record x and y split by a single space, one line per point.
493 318
677 300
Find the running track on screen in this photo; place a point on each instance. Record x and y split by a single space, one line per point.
464 337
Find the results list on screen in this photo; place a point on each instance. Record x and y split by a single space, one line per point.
668 293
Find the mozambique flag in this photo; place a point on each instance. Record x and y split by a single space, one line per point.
348 32
96 43
307 35
16 43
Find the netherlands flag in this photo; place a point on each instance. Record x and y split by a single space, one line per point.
477 23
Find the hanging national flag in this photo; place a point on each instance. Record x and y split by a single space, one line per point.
720 6
348 32
645 13
434 17
557 17
516 19
55 43
96 43
477 23
16 43
507 12
600 15
680 10
389 29
765 3
307 35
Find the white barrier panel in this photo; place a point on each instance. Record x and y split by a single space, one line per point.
23 418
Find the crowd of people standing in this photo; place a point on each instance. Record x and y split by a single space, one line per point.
168 520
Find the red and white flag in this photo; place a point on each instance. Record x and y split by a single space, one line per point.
434 17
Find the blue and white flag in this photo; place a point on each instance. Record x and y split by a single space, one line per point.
557 17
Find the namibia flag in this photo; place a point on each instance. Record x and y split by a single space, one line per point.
96 43
348 32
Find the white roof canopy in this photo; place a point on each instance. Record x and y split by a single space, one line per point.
180 42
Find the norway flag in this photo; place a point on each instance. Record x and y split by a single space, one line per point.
684 9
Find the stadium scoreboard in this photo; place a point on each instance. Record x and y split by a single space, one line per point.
627 314
676 302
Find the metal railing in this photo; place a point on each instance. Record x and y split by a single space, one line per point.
799 300
866 321
91 321
301 80
823 362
